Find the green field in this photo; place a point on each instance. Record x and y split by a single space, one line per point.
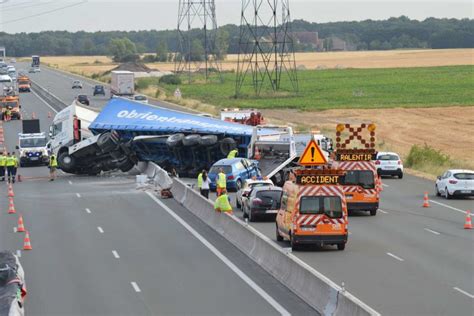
346 88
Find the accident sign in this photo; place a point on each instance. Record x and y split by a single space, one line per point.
312 155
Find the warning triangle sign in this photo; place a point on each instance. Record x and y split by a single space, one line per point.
312 155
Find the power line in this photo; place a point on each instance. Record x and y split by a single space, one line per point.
44 12
26 5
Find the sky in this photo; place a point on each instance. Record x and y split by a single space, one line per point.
105 15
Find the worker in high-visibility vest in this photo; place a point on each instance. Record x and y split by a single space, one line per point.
8 114
3 164
222 203
233 153
221 182
200 180
53 165
11 162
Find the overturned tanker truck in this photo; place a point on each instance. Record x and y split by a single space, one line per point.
125 132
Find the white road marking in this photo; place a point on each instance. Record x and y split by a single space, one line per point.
393 256
14 229
100 229
448 206
223 258
135 287
44 101
18 253
70 182
463 292
78 195
385 185
115 253
385 212
432 231
88 210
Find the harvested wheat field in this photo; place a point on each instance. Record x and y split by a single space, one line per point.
447 129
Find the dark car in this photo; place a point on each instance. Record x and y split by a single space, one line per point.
99 89
83 99
262 201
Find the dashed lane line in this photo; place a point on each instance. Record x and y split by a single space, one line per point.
88 210
135 287
382 211
100 229
395 257
223 258
432 231
463 292
78 195
18 253
115 253
70 182
448 206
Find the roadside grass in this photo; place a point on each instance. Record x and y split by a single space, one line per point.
344 89
431 161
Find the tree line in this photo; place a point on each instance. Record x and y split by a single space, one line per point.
394 33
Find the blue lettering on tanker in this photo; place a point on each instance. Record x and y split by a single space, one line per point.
121 114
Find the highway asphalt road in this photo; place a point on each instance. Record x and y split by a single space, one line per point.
407 260
102 247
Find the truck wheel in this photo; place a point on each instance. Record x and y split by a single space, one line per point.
126 166
208 140
175 140
277 233
66 162
192 140
373 212
341 246
226 145
106 142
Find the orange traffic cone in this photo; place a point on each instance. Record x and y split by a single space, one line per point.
11 207
27 242
257 155
21 226
10 191
468 224
426 202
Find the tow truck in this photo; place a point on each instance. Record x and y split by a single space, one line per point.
242 116
361 184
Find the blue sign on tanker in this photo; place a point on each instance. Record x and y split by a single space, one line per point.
120 114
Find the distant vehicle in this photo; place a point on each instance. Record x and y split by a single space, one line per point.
249 184
12 285
76 84
24 84
122 83
237 170
390 164
140 98
37 69
455 182
245 116
99 89
13 60
33 150
35 61
6 85
262 201
83 99
31 70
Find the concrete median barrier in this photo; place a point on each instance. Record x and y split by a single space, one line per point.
314 288
48 96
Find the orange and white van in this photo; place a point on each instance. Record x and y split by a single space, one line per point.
24 84
361 183
313 209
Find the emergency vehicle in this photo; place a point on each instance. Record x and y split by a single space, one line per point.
12 103
313 206
242 116
24 84
361 183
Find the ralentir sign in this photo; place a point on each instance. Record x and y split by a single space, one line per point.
355 157
318 179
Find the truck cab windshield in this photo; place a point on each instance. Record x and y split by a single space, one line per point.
328 205
32 142
363 178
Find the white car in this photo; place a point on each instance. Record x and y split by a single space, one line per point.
389 164
249 184
140 98
76 84
455 182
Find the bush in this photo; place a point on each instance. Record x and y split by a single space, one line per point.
170 79
425 155
149 58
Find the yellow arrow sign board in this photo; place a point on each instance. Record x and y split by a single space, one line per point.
312 156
